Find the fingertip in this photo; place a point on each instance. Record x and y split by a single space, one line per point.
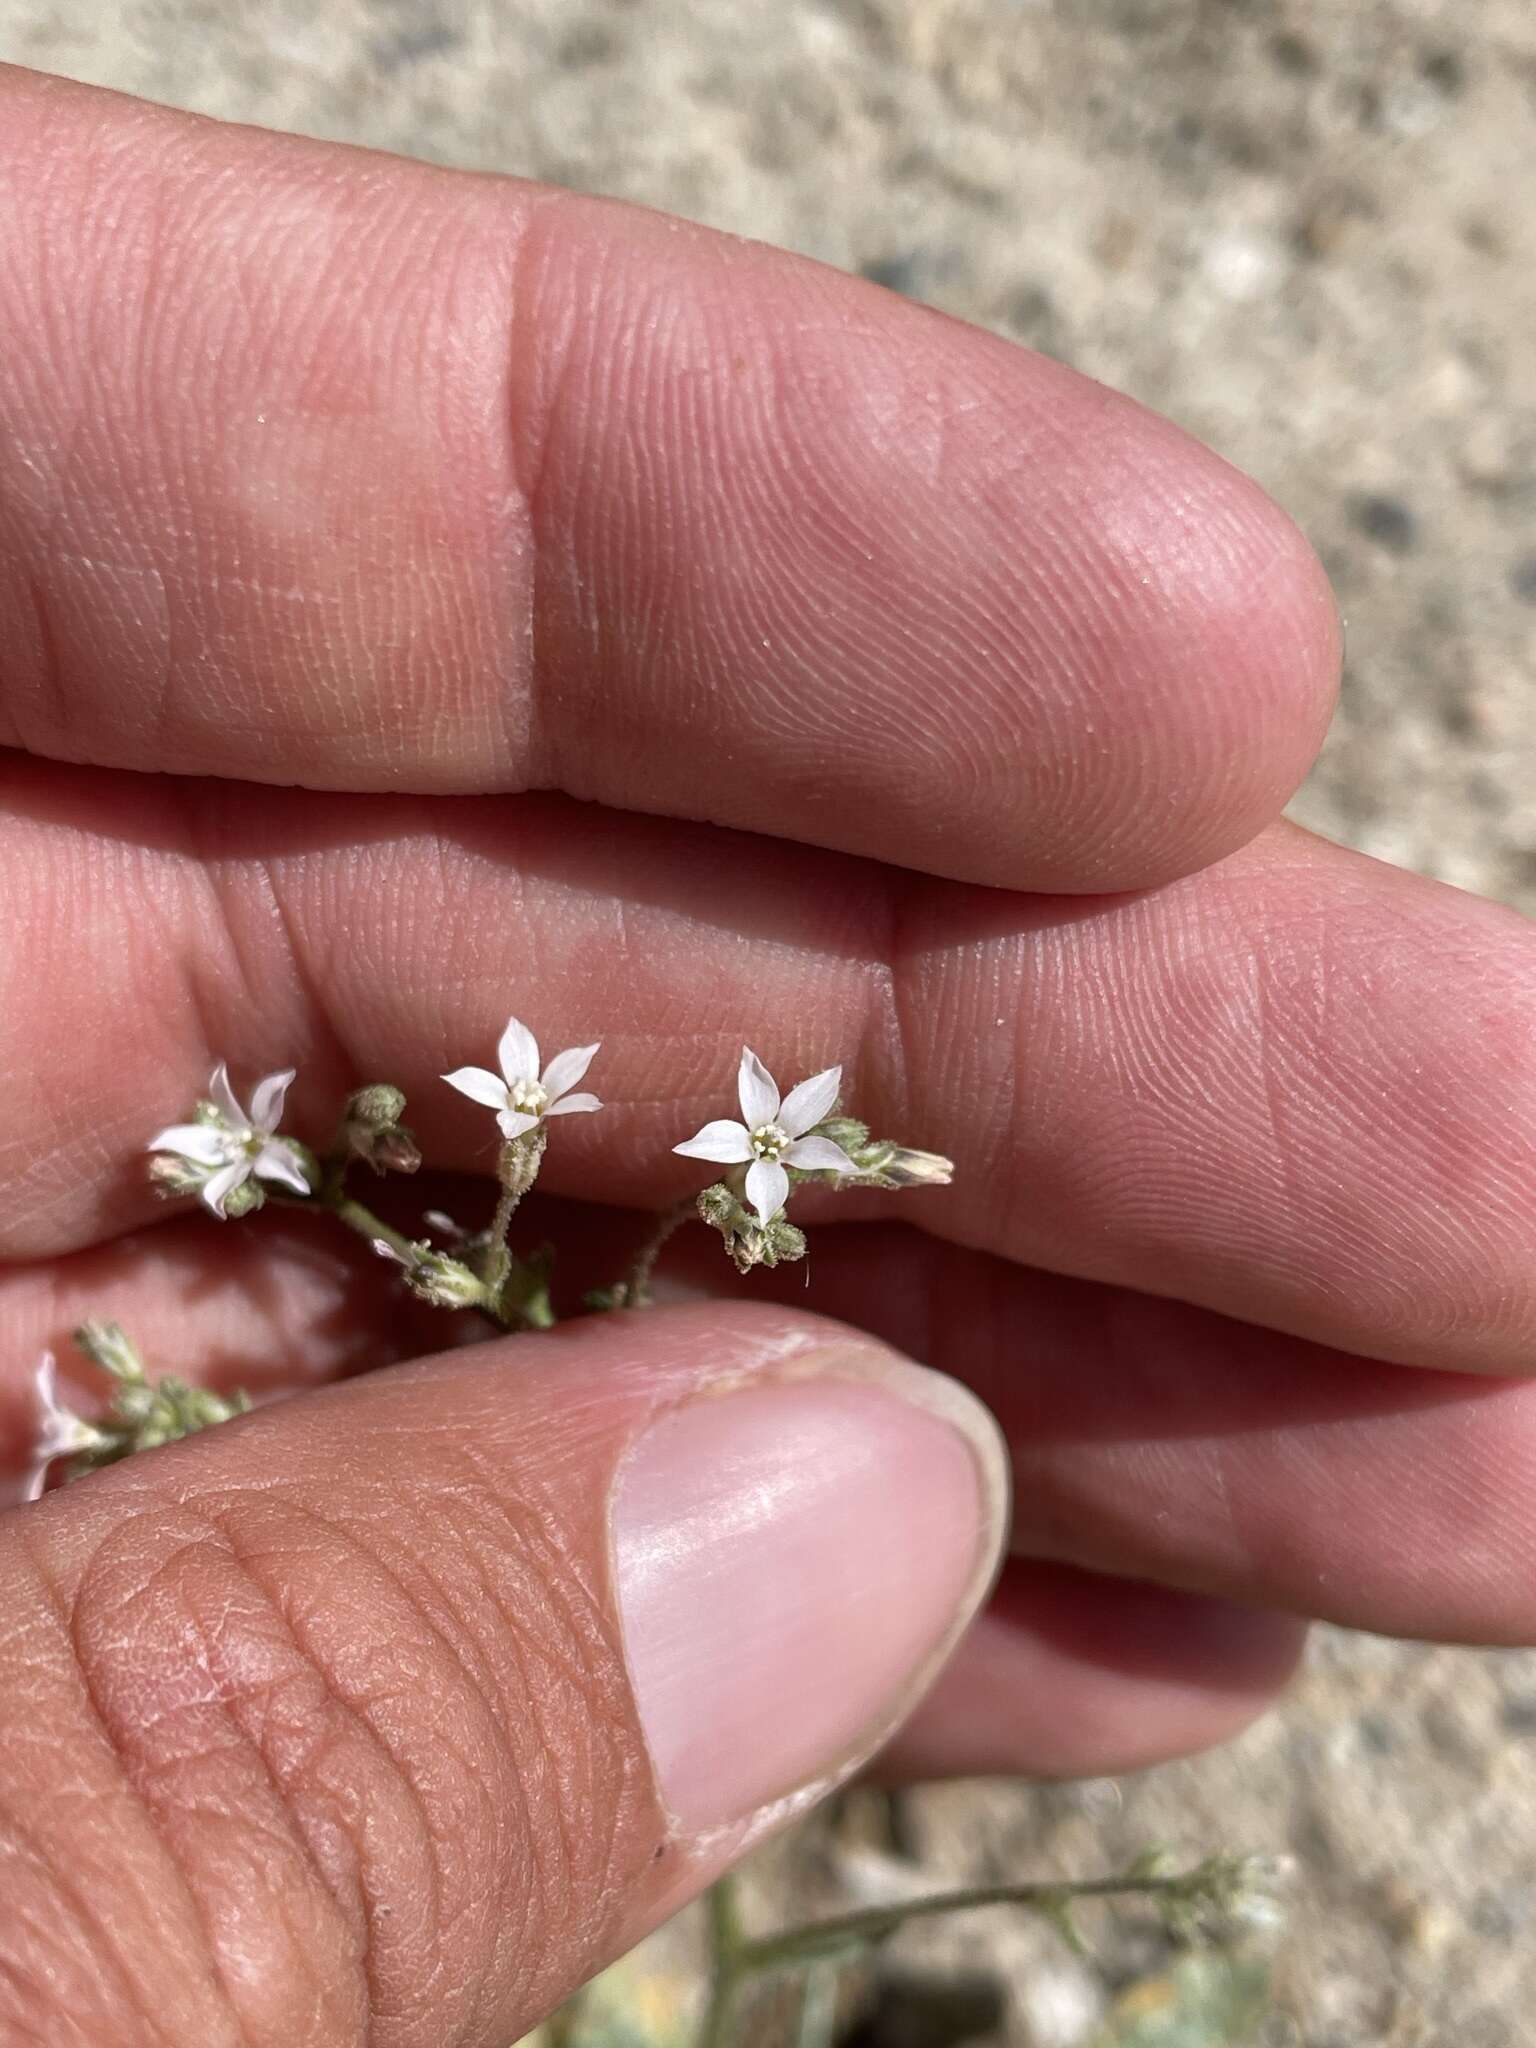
1200 636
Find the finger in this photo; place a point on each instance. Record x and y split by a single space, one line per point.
1156 1441
1150 1441
1297 1089
321 467
393 1712
1065 1671
1068 1674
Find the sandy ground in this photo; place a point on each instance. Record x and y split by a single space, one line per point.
1304 229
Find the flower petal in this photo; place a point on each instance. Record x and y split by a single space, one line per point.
200 1143
568 1103
767 1188
566 1069
805 1106
45 1388
479 1086
516 1123
518 1053
223 1098
278 1161
818 1155
60 1430
757 1089
267 1102
217 1190
723 1141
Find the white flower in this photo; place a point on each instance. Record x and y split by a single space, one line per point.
60 1432
772 1131
220 1155
520 1095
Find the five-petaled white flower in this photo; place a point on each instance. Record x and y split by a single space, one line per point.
221 1155
520 1095
772 1132
60 1432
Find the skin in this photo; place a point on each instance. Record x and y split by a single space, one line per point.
424 597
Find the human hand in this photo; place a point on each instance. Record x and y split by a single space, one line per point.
341 500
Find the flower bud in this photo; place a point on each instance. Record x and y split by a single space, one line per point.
375 1107
244 1200
445 1282
396 1151
374 1133
171 1176
785 1243
846 1131
749 1241
109 1346
907 1168
718 1206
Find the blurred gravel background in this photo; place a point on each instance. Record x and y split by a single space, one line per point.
1305 228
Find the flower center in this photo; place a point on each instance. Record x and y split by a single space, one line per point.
768 1141
529 1098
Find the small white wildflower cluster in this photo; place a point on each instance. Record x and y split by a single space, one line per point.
780 1142
143 1413
773 1135
235 1158
230 1156
226 1152
776 1137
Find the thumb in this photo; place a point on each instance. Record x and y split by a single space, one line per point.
392 1713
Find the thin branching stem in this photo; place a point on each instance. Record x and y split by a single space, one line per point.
737 1959
516 1171
796 1946
726 1976
637 1282
818 2006
357 1216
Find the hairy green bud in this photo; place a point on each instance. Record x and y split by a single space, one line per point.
109 1346
372 1131
444 1281
375 1107
245 1199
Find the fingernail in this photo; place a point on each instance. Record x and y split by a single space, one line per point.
794 1559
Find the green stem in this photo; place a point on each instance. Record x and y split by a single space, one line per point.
818 2006
516 1171
637 1282
498 1260
348 1210
334 1168
726 1945
356 1215
736 1957
852 1930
